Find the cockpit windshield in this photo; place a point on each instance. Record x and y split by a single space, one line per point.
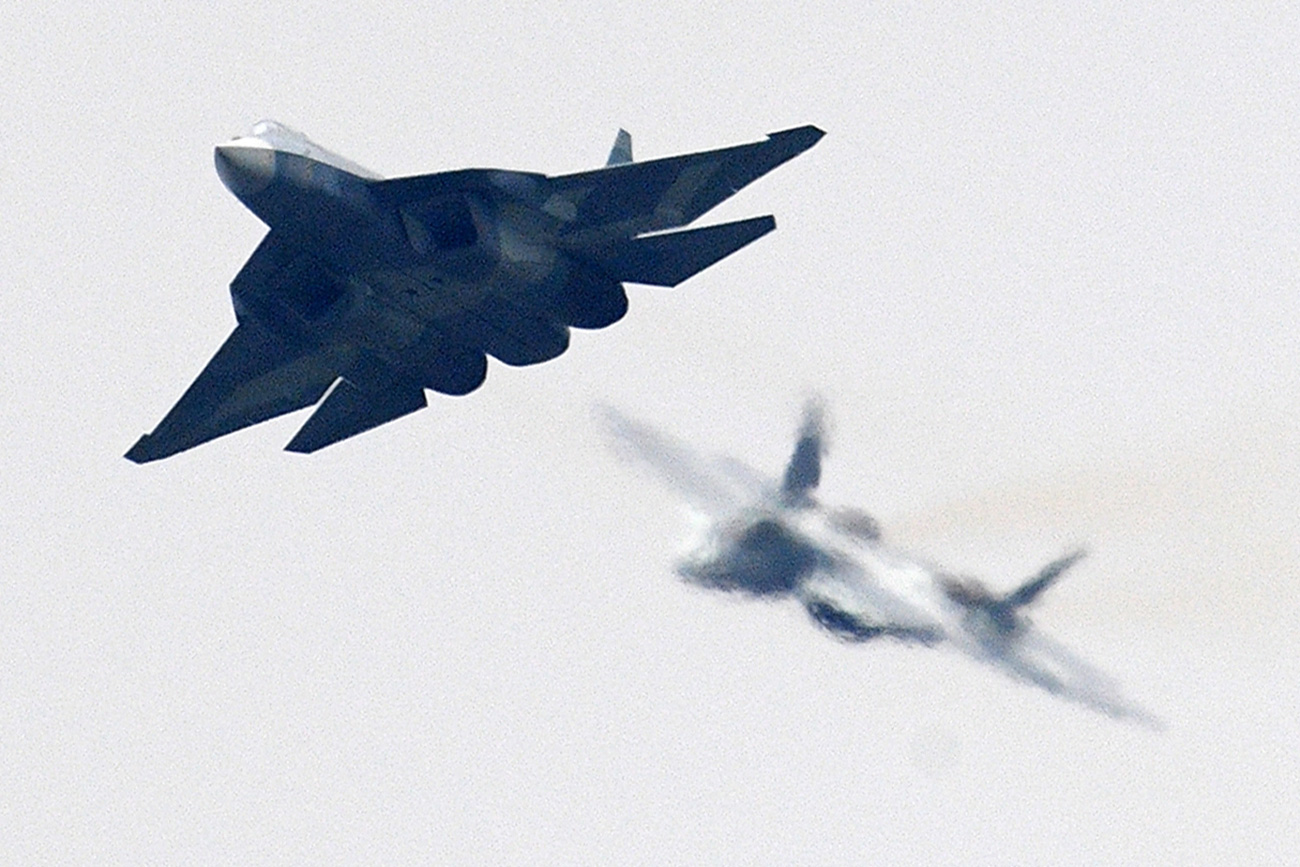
283 138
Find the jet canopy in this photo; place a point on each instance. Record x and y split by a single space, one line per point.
281 137
286 139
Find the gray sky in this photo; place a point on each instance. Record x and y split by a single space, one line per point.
1043 268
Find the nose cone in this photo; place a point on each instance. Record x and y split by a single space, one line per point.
245 169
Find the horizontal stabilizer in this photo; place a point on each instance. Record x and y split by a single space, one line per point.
253 377
349 411
666 260
705 484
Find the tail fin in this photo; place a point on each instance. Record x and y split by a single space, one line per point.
1029 591
622 150
668 259
804 471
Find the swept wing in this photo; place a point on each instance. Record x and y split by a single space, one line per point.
254 376
257 375
635 198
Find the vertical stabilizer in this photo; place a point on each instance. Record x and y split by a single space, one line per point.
804 471
1027 592
622 150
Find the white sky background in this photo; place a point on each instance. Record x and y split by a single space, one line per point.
1043 267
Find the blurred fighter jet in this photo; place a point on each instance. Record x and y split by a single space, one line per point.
772 539
385 288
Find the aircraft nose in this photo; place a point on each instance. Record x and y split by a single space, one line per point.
245 169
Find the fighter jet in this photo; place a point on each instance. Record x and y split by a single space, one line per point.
366 292
773 539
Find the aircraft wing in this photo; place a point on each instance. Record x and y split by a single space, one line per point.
637 197
254 376
716 488
1039 660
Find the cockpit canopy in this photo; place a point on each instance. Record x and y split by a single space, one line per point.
282 138
286 139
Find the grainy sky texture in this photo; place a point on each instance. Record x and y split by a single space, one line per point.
1043 268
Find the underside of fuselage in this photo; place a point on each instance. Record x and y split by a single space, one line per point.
759 558
422 286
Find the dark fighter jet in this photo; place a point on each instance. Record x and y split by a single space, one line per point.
374 290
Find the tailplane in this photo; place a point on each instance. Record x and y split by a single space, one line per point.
1003 613
668 259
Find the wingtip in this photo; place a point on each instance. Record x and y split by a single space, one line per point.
803 137
140 452
1075 554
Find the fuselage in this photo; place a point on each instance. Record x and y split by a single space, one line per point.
775 549
834 562
307 192
473 269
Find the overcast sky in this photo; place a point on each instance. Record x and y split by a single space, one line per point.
1043 268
